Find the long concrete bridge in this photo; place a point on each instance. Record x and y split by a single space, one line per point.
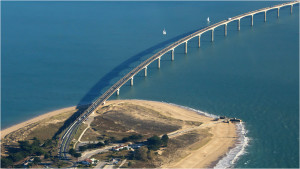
68 135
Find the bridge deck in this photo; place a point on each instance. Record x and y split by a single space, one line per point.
101 100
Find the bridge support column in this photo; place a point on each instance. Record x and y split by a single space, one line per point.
239 24
172 54
118 92
199 40
212 35
158 62
278 12
265 16
185 47
131 81
145 71
251 20
291 9
225 30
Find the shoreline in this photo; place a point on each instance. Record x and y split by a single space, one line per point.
214 161
18 126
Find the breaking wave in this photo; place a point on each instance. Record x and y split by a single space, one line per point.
237 151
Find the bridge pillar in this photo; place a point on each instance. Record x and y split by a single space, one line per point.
251 20
199 40
291 8
212 35
225 29
185 47
158 62
118 92
172 54
239 24
131 81
145 71
265 16
278 12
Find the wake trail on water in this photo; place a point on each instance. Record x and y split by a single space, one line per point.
237 151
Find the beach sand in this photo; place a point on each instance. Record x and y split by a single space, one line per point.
223 138
34 120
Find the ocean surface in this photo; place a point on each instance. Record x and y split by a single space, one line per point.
61 54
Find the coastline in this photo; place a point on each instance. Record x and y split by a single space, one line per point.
215 154
18 126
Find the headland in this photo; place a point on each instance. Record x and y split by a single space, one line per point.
195 140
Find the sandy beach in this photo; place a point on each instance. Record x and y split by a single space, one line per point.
34 120
223 138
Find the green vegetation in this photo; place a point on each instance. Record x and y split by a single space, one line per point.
165 140
154 142
91 146
74 153
25 149
6 162
134 138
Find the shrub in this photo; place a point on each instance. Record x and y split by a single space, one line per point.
165 139
154 143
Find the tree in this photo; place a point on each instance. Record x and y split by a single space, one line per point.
82 148
37 150
6 163
141 153
77 155
113 139
154 143
36 142
46 156
106 142
165 139
100 144
25 146
72 151
47 143
16 156
135 137
36 160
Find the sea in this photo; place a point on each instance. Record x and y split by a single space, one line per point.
60 54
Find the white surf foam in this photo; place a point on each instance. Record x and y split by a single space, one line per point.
236 152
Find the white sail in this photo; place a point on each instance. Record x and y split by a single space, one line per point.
164 32
208 19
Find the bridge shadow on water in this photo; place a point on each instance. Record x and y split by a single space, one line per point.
115 73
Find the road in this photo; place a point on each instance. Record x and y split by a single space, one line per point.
69 133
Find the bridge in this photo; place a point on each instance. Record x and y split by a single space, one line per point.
70 131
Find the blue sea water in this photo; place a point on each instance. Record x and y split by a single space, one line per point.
61 54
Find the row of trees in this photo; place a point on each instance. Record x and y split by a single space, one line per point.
91 146
134 138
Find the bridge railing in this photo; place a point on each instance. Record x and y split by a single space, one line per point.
133 72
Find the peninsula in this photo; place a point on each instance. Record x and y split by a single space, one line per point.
120 134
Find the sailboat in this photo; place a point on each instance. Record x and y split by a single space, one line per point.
164 32
208 19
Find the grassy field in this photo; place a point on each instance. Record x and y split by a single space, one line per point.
122 120
177 146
